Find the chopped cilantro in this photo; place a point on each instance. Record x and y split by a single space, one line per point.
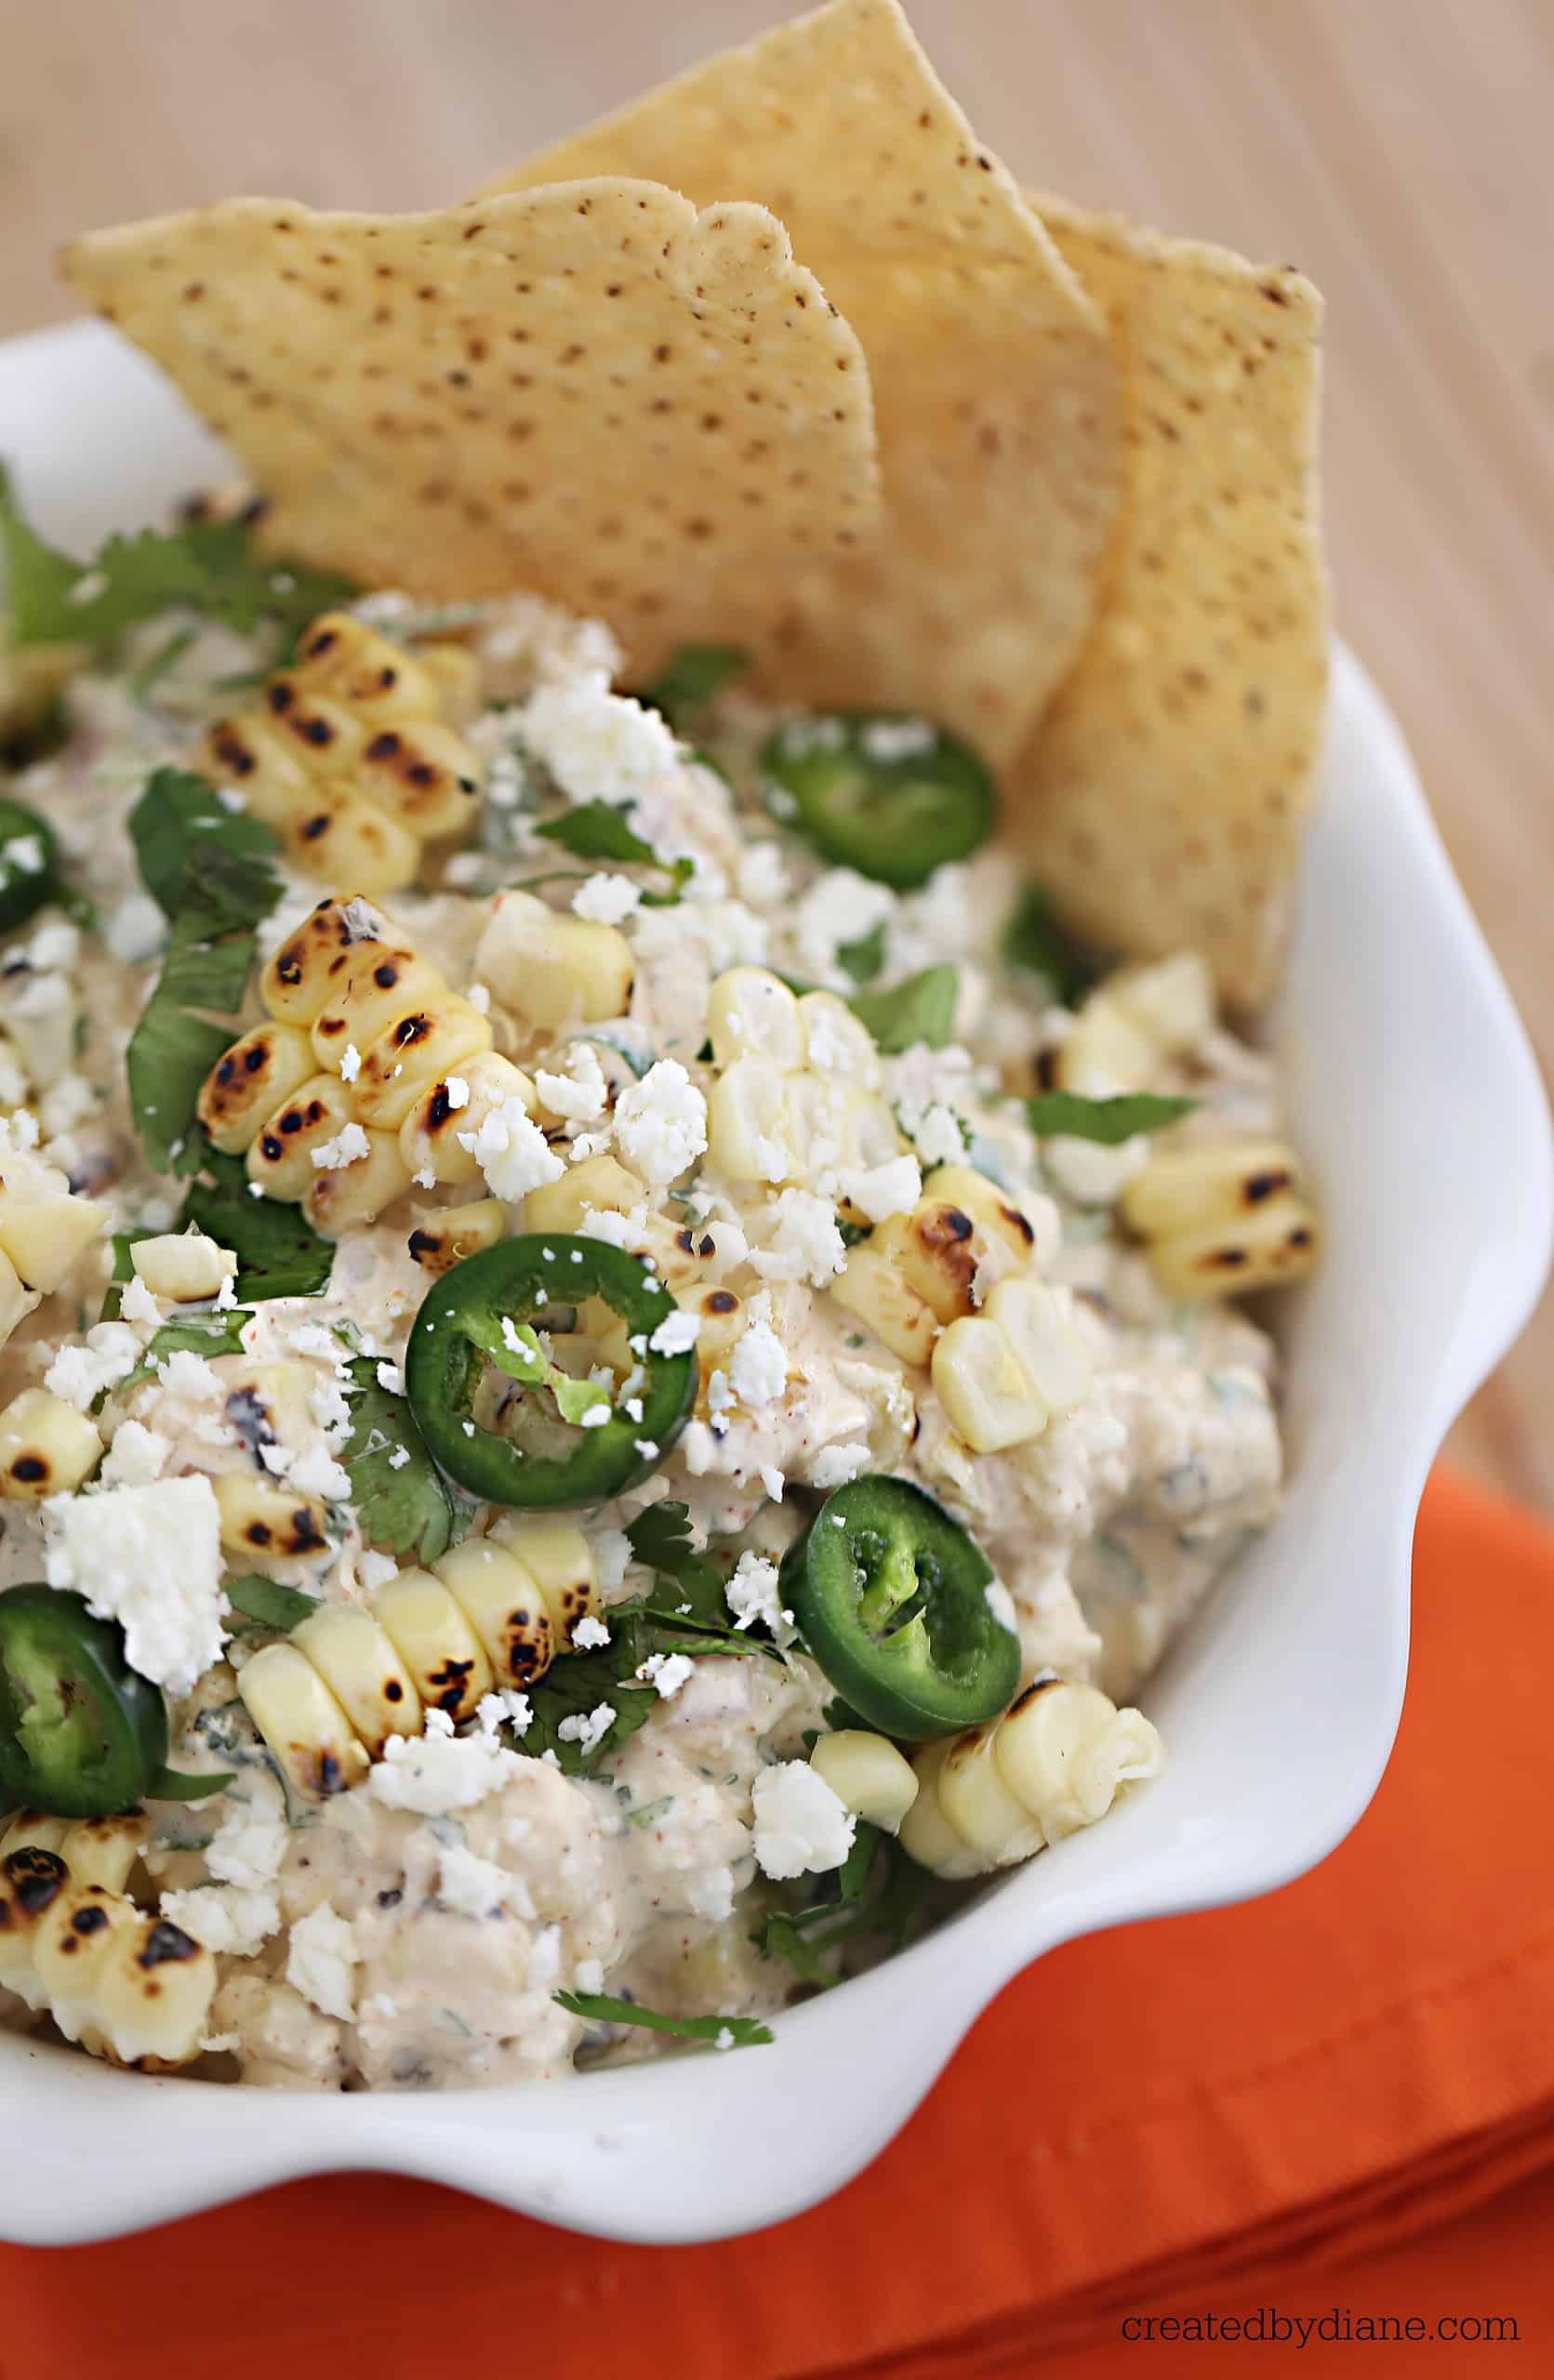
1109 1121
1037 945
594 830
920 1008
279 1254
207 566
660 1539
691 677
263 1607
192 848
600 2008
403 1504
864 958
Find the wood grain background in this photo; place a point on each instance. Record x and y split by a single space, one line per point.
1397 150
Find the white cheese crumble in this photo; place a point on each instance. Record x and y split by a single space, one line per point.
899 739
80 1374
801 1826
753 1594
587 1728
511 1152
590 1635
758 1368
440 1772
677 1334
349 1145
138 1304
151 1558
321 1961
841 906
833 1466
581 1093
667 1672
617 1231
598 746
227 1918
136 1457
135 931
474 1886
606 900
351 1062
660 1122
802 1240
882 1190
249 1847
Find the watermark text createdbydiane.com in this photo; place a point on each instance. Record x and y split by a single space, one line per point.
1342 2323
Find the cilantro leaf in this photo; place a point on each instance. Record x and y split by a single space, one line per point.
1034 942
279 1254
577 1684
691 677
920 1008
600 2008
207 566
878 1891
864 958
403 1502
190 846
1108 1122
178 1785
594 830
271 1608
660 1539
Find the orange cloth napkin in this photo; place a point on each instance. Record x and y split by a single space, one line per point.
1213 2111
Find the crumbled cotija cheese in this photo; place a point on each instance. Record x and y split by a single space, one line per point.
660 1122
801 1826
321 1963
512 1152
440 1772
151 1558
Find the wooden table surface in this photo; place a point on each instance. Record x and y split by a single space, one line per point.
1397 150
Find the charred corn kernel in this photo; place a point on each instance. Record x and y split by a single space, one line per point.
600 1182
990 1209
550 969
935 1249
1219 1219
413 1055
31 1831
47 1448
280 1158
264 1517
378 985
868 1774
256 1077
1105 1051
872 1286
343 660
926 1834
502 1600
838 1043
752 1013
429 1138
153 1997
748 1135
721 1317
1002 1374
104 1851
423 774
351 755
436 1643
361 1665
304 973
1056 1762
560 1562
343 1195
1170 1002
44 1230
140 1998
301 1722
272 1402
445 1239
454 673
184 1266
16 1300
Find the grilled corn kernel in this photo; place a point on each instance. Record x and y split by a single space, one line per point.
552 969
251 1080
933 1248
1223 1219
454 675
264 1517
748 1134
424 775
752 1013
868 1774
184 1266
429 1138
1054 1763
16 1300
990 1209
104 1851
872 1286
153 1997
71 1948
445 1239
45 1232
321 734
600 1182
837 1042
1170 1002
416 1054
345 660
378 985
1105 1051
341 834
721 1318
361 1665
32 1831
502 1600
340 1196
436 1643
1002 1374
247 752
47 1448
301 1722
559 1561
280 1158
305 972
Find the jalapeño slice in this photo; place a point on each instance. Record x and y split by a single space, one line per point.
82 1736
893 798
501 1416
891 1595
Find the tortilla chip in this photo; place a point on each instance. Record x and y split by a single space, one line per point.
591 391
995 389
1163 798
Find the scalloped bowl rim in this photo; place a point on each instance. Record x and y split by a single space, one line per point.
1411 1085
